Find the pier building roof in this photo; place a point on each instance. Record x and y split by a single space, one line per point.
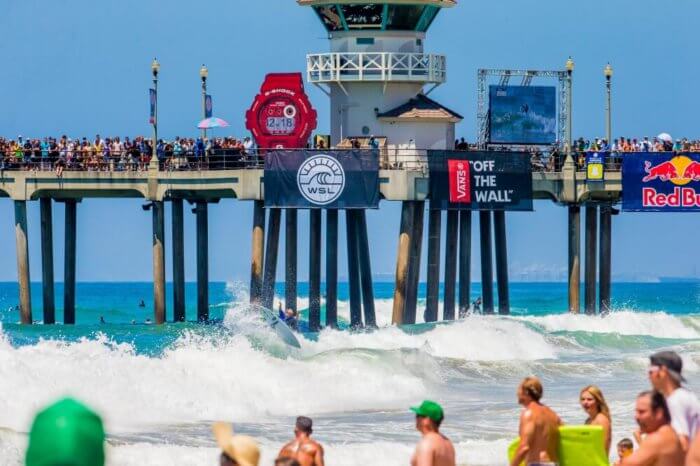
421 108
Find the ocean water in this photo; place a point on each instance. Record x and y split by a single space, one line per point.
160 387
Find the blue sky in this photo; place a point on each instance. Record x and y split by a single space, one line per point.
82 67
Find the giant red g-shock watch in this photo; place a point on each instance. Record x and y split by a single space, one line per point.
281 116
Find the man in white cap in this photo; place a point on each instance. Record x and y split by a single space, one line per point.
665 376
236 450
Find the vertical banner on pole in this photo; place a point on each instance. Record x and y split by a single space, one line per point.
208 106
152 99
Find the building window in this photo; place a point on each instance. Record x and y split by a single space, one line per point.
419 42
365 41
363 16
330 17
404 17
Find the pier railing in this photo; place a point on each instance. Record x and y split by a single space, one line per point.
376 66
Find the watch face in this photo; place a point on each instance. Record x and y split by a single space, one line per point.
279 117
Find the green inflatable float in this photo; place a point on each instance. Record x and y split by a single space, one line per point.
578 446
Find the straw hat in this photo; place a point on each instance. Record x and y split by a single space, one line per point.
241 448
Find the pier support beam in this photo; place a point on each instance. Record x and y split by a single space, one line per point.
69 263
433 285
574 259
591 245
47 279
202 212
605 258
290 260
257 252
353 270
414 262
315 270
451 251
486 262
465 260
158 209
332 268
499 228
365 269
178 261
271 250
25 298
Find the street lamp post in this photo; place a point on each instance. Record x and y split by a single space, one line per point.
204 74
155 68
569 109
608 71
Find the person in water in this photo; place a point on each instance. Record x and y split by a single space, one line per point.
142 303
625 448
661 446
289 317
433 449
102 320
594 404
303 448
476 305
236 450
539 427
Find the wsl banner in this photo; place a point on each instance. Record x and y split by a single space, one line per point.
661 182
305 179
480 180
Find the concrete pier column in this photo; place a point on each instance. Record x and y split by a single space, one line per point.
486 262
25 298
257 252
414 263
332 268
202 212
178 261
47 279
465 260
451 251
353 269
69 263
365 269
605 258
290 259
315 270
574 259
590 272
158 209
499 229
271 250
433 276
404 250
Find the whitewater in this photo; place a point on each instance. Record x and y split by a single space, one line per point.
158 390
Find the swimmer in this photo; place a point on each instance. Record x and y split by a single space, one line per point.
594 404
625 448
539 427
142 303
433 449
305 450
102 320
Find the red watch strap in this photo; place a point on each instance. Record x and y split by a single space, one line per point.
291 81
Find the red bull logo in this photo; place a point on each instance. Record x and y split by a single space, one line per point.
680 171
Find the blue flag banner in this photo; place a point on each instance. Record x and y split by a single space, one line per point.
208 106
152 99
660 182
337 179
595 166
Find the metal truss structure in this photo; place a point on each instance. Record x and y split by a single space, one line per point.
526 76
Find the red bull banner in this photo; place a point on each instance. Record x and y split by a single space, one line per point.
661 182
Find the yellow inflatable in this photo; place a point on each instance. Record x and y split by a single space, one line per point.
578 446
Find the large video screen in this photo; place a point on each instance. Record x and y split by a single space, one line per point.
523 114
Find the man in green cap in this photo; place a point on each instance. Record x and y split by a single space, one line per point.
434 449
66 433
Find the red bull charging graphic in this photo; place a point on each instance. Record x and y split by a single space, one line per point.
661 182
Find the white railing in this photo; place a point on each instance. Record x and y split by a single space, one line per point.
376 66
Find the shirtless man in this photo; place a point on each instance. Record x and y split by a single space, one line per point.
539 427
306 451
434 449
661 446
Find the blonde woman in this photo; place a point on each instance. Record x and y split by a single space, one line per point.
594 404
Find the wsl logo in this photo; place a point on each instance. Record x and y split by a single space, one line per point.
321 179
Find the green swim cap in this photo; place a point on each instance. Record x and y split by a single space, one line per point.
66 433
429 409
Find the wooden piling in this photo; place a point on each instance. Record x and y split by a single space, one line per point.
465 260
332 268
499 228
414 263
69 262
365 269
486 262
290 253
178 260
605 258
404 248
574 259
257 252
202 212
353 269
451 245
271 251
47 278
433 275
22 243
591 267
315 270
158 262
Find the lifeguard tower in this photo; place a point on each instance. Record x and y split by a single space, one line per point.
376 73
